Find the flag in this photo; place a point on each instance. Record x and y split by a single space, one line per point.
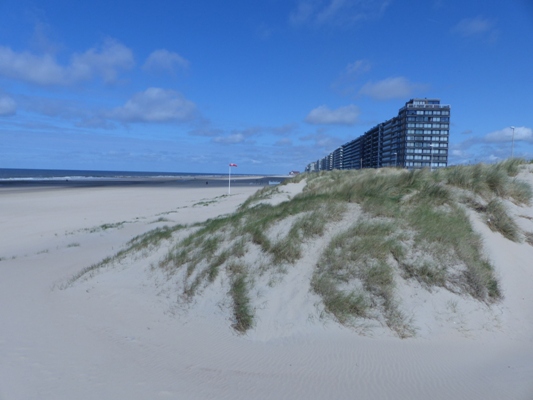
232 165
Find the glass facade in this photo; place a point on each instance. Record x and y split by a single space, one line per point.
416 138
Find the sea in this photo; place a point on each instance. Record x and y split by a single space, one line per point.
15 174
14 177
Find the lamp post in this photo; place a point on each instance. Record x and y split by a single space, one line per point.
512 145
395 159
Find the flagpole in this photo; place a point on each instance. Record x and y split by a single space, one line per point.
229 180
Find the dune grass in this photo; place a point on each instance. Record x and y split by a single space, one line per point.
146 241
412 225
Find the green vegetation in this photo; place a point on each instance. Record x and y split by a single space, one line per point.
529 238
390 225
498 220
148 240
241 302
413 225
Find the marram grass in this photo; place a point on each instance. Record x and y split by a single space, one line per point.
413 226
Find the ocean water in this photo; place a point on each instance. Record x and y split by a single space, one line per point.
13 174
28 178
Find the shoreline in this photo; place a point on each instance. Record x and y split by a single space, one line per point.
121 335
141 182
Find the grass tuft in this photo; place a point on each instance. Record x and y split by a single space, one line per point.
499 221
242 311
413 225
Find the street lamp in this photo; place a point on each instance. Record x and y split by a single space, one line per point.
395 159
512 145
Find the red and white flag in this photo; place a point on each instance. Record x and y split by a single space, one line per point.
232 165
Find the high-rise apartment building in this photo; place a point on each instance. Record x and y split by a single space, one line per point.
416 138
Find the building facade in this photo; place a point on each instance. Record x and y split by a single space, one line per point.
416 138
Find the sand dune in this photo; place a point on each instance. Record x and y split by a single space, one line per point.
121 334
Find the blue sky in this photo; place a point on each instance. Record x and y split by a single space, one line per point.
189 86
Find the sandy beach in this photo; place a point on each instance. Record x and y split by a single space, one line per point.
119 334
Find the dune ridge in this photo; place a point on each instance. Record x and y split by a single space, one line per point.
354 246
95 308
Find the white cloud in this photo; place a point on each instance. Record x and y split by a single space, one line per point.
342 116
231 139
239 136
8 106
521 133
322 140
165 61
473 26
346 83
478 28
45 69
106 61
358 67
155 105
337 12
391 88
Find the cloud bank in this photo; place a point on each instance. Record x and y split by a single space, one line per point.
8 106
155 105
391 88
336 12
165 61
476 28
105 61
521 133
322 115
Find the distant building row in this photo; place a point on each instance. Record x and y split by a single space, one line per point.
416 138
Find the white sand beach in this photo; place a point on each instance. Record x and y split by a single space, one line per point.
120 335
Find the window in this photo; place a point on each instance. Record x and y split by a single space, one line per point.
445 113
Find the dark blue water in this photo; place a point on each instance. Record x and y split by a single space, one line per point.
13 174
28 178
